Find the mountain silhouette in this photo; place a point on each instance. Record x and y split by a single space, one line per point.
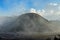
30 22
23 25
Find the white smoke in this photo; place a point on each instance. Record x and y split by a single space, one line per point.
32 10
40 12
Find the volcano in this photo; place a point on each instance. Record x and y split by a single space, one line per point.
30 22
25 24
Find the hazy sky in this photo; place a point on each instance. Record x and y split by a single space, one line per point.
47 8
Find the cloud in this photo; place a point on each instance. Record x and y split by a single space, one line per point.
50 12
41 12
53 4
32 10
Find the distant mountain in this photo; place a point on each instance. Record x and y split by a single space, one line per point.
21 27
30 22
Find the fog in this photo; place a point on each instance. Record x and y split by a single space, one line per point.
30 23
